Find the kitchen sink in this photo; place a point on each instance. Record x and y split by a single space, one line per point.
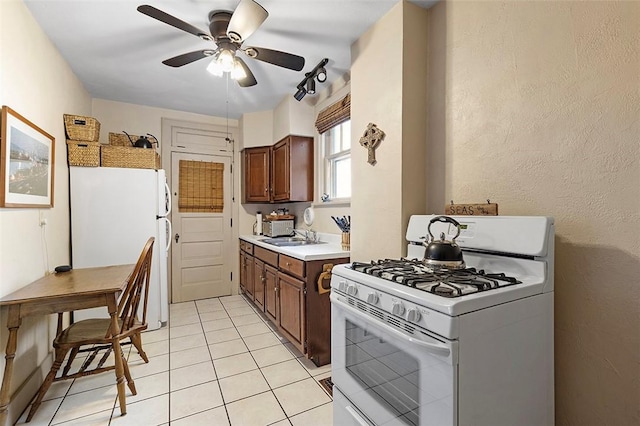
291 241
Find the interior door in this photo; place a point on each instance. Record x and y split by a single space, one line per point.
202 196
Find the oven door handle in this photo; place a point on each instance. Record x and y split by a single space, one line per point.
433 348
357 417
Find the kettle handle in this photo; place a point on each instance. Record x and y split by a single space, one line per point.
130 140
444 219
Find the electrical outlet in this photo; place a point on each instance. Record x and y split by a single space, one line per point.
43 220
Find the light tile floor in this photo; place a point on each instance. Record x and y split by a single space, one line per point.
219 363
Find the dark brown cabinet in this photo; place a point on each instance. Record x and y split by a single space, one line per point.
279 173
288 291
246 269
292 316
259 278
257 173
271 305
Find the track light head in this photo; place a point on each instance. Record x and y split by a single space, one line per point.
300 94
311 86
321 75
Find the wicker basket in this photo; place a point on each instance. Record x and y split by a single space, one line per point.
129 157
120 139
83 153
81 128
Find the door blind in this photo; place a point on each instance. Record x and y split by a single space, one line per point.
201 187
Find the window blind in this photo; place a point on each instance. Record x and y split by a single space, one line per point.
334 114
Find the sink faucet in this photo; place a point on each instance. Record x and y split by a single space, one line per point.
309 235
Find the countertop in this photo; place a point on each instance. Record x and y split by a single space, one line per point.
331 250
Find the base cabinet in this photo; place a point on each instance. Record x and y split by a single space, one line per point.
271 305
292 315
292 297
247 271
259 278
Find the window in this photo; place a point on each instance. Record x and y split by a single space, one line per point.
334 126
336 149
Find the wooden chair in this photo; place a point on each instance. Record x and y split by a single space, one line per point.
96 335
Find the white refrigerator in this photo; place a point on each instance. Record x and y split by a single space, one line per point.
114 211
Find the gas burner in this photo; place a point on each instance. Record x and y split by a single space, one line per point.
442 282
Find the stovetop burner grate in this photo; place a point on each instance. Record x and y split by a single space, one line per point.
443 282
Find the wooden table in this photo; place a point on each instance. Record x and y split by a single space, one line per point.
65 292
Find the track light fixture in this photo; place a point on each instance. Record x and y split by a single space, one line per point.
311 86
308 84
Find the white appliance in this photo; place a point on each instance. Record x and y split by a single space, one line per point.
414 346
114 211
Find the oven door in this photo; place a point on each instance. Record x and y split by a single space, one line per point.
388 371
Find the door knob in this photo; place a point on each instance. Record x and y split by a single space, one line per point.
177 237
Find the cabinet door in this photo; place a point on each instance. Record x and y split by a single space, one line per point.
246 274
280 171
249 284
259 278
243 272
271 305
257 173
292 315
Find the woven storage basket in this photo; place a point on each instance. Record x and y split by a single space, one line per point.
83 153
129 157
81 128
120 139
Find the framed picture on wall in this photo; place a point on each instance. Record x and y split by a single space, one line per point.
27 155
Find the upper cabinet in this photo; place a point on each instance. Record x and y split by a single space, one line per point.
257 173
281 173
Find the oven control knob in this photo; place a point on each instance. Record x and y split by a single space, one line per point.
352 290
413 315
342 286
397 309
372 298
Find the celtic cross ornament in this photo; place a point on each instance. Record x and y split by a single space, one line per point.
370 140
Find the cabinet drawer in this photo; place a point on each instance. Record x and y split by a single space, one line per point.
266 256
246 247
291 266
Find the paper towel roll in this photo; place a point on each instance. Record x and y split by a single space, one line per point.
259 223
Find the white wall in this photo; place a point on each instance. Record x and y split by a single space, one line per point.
536 106
36 82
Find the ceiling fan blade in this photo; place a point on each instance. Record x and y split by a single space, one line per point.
172 20
249 80
276 57
187 58
247 17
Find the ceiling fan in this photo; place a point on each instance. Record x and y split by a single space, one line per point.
228 30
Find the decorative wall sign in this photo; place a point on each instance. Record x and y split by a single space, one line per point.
27 155
488 209
370 140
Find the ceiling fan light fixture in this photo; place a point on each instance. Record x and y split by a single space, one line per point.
238 72
215 68
227 60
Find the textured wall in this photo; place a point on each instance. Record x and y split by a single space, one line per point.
37 83
536 105
388 89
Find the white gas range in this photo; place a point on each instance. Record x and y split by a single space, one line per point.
421 346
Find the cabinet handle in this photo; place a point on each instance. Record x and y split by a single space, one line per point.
266 189
288 264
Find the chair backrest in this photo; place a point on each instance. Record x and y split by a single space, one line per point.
137 290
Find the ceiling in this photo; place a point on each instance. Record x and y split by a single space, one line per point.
117 52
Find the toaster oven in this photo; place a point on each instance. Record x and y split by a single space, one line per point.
277 228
